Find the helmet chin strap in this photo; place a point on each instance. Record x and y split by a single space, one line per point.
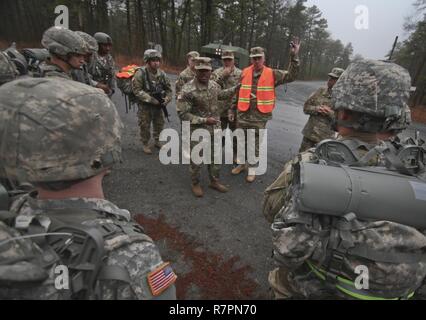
65 59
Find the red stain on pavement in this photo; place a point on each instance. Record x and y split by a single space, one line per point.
215 277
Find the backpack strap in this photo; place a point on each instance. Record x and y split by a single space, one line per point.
73 240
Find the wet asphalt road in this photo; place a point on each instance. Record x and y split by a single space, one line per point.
219 245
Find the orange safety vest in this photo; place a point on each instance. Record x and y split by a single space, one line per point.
265 90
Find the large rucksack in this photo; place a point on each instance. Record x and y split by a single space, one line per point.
124 83
365 208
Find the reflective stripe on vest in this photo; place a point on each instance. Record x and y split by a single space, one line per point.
265 90
348 287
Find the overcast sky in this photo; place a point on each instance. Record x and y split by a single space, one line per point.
386 19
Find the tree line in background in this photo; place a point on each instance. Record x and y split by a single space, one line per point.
412 52
180 26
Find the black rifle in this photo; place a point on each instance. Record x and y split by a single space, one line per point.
158 93
160 97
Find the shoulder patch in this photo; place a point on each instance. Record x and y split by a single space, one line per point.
161 279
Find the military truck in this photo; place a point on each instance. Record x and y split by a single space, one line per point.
214 51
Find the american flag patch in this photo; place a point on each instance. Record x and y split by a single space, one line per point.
161 279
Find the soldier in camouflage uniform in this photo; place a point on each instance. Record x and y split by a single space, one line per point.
198 104
227 77
319 126
369 99
188 74
102 67
78 134
146 83
253 118
82 75
67 51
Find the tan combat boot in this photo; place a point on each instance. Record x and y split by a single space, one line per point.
197 190
251 178
238 169
147 149
216 185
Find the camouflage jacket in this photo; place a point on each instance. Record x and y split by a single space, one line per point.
197 102
184 77
301 238
50 70
319 127
136 255
142 89
281 77
226 82
102 69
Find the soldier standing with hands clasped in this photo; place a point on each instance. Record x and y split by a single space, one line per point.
198 104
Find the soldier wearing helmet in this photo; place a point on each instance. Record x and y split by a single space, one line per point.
82 75
153 90
318 107
67 51
102 67
78 139
319 250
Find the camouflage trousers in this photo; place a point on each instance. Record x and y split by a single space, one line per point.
147 115
307 144
246 126
213 169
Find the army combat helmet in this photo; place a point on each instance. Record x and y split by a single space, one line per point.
378 91
151 54
91 43
62 42
102 38
56 130
8 71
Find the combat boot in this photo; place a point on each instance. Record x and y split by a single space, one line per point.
238 169
216 185
197 190
147 149
251 178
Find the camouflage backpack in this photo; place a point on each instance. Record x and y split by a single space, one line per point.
124 83
22 268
